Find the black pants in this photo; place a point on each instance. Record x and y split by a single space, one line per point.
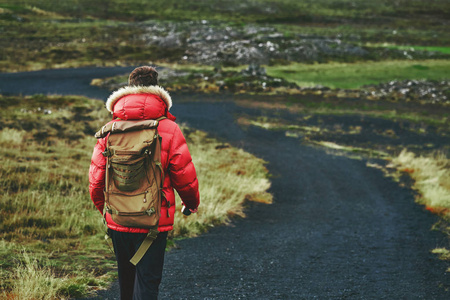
140 281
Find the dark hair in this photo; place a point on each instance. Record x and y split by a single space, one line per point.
144 76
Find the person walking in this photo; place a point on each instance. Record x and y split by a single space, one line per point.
143 99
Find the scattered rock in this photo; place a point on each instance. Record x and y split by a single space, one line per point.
424 91
214 43
254 70
255 79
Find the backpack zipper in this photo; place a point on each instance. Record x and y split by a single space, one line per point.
125 195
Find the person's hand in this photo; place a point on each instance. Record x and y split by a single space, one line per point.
187 211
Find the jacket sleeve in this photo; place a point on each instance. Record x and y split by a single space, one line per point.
97 175
182 171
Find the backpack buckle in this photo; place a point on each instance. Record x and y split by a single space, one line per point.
107 153
150 211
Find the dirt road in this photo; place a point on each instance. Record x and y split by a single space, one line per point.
336 230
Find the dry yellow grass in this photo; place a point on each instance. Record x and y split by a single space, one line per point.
35 282
431 177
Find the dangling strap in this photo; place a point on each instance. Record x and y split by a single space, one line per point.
148 241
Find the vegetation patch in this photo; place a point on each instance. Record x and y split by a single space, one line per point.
441 49
431 175
356 75
431 180
51 234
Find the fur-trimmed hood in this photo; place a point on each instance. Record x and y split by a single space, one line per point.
129 90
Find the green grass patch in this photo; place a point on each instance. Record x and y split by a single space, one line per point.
442 49
355 75
51 236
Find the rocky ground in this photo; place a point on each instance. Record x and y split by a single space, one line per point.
254 79
219 44
423 91
214 43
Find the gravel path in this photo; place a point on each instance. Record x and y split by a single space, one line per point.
337 229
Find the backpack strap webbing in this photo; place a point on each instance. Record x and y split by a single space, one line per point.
148 241
113 211
124 126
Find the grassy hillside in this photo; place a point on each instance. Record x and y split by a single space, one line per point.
51 235
40 34
390 13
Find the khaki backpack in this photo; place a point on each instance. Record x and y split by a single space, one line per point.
134 176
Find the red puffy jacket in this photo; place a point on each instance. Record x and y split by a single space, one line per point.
143 103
